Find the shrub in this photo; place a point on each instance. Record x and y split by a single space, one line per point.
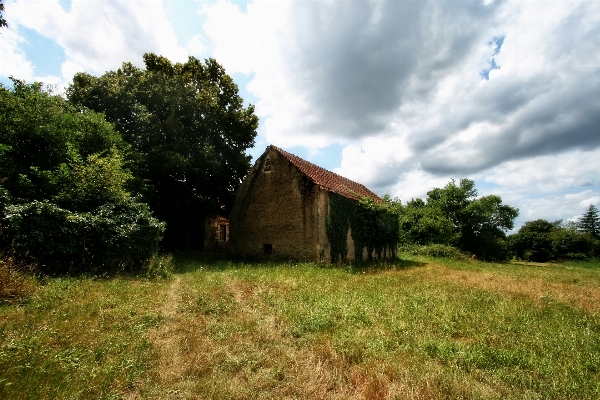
115 236
435 250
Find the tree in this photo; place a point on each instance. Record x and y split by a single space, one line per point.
51 151
3 23
479 224
188 129
423 224
569 243
590 222
534 241
542 241
63 198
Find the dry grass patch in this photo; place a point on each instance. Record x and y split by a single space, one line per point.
583 296
428 332
16 280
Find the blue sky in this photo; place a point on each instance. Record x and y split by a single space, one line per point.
400 96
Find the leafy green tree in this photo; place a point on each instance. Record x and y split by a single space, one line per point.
424 225
590 222
51 151
534 241
189 131
542 241
569 243
479 225
63 198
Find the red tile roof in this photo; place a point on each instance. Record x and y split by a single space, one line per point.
328 180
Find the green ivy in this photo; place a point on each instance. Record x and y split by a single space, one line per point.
373 225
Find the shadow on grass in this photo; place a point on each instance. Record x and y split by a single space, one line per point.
193 261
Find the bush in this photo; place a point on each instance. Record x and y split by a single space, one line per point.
115 236
435 250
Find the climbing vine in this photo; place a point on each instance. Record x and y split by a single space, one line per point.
373 225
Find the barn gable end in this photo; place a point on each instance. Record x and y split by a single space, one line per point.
282 206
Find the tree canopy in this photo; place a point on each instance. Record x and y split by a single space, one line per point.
63 198
454 215
51 151
542 241
188 130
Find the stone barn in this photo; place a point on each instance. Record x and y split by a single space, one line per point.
289 208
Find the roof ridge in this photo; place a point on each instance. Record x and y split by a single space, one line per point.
327 179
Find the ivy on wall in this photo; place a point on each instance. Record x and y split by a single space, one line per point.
373 225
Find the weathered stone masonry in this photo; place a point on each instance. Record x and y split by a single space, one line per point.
281 209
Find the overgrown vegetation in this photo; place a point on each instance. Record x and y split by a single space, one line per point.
434 250
82 179
416 328
542 241
16 280
455 216
64 203
373 227
188 131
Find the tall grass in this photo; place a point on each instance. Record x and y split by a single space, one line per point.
223 329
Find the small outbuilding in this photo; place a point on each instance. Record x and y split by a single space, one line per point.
289 208
216 233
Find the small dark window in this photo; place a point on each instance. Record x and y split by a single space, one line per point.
223 233
268 248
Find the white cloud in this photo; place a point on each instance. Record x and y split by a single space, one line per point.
100 35
398 84
13 60
69 69
197 47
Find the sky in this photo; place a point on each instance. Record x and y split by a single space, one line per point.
401 96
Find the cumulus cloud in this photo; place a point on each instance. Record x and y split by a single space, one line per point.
100 35
13 60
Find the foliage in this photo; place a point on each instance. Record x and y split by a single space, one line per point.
533 241
424 225
434 250
63 198
455 216
189 131
590 222
51 151
542 241
114 236
159 266
373 226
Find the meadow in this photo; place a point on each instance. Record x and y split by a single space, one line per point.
416 328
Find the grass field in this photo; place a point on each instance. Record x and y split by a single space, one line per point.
417 328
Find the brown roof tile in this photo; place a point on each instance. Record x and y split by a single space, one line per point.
328 180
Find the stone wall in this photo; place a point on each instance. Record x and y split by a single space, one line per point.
279 213
216 233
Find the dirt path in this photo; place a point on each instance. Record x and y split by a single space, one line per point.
166 339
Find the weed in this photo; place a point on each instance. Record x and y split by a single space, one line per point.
16 279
